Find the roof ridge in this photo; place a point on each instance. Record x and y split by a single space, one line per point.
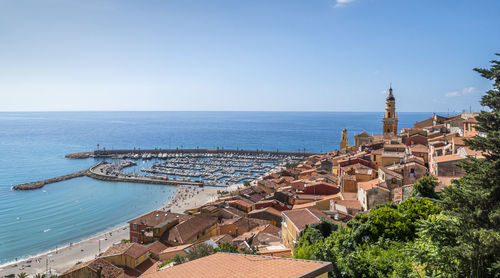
313 214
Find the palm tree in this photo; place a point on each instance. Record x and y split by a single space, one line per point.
22 275
40 275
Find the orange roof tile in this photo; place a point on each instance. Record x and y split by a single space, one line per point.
303 217
367 185
133 250
156 217
108 269
350 203
183 232
268 209
450 157
157 246
419 148
176 248
247 266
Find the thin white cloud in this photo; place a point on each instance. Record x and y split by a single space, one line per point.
384 92
463 92
342 3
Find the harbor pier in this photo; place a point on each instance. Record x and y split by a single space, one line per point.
155 152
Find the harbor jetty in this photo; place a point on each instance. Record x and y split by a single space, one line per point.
40 184
112 172
155 152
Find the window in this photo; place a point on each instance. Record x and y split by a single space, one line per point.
388 114
134 226
134 239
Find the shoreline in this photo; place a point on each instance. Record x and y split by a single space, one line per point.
60 259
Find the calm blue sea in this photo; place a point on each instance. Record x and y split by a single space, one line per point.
33 145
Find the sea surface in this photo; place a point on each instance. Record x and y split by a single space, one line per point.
33 145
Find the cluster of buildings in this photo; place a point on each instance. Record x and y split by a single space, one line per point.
268 216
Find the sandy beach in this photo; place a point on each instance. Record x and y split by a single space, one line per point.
56 262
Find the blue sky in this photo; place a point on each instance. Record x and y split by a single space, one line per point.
279 55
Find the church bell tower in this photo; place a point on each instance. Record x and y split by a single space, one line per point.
390 119
344 141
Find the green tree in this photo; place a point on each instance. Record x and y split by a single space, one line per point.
199 251
22 275
227 247
434 247
179 260
381 222
474 202
424 187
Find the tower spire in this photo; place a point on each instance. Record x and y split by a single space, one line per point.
390 121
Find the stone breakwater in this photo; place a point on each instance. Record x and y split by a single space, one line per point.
40 184
96 173
155 152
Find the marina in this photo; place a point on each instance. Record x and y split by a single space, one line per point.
177 167
218 168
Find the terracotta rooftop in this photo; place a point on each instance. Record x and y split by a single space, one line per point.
156 247
156 217
133 250
304 205
176 248
241 203
108 269
350 204
270 229
303 217
390 172
244 222
368 185
183 232
418 148
268 209
248 266
395 146
459 141
447 158
474 153
220 238
282 252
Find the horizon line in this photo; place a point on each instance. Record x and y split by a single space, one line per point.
295 111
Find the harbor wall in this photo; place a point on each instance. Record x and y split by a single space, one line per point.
40 184
108 153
